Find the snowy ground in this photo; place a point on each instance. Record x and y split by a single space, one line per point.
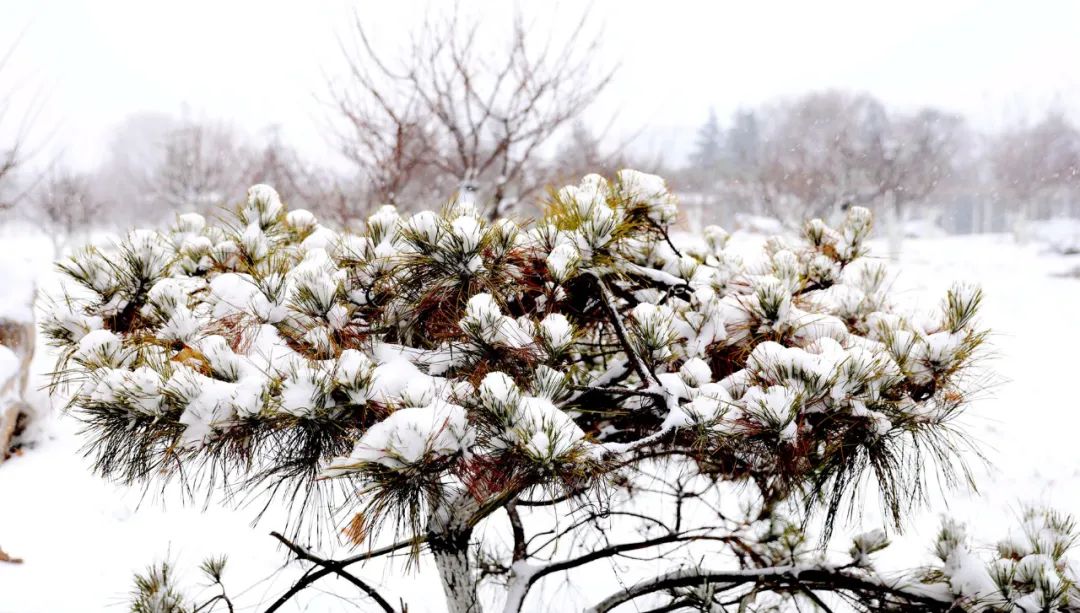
82 539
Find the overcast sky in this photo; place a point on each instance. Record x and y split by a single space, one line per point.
255 63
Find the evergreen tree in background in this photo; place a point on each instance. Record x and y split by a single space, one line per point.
709 146
742 141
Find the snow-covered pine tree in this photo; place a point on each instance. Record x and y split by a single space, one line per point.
593 386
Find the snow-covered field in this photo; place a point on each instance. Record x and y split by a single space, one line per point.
81 539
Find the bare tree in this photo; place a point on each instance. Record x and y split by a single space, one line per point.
824 152
808 153
278 164
66 203
134 151
583 151
580 152
9 153
907 162
340 200
915 154
449 115
14 152
1034 165
157 164
200 167
302 184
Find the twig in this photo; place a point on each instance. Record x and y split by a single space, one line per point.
523 502
334 567
647 378
620 391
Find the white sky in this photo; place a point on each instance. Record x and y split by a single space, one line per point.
254 63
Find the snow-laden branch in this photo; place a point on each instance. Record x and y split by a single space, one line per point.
895 596
437 368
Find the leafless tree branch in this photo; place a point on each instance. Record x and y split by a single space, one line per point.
444 117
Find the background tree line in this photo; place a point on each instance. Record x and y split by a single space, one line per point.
824 151
436 119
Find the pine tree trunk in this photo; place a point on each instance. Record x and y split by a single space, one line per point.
451 553
449 534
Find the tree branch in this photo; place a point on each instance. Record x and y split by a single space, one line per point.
790 578
518 530
607 302
336 567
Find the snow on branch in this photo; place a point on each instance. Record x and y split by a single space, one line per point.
427 371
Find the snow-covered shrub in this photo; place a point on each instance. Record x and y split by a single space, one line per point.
443 368
1028 572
